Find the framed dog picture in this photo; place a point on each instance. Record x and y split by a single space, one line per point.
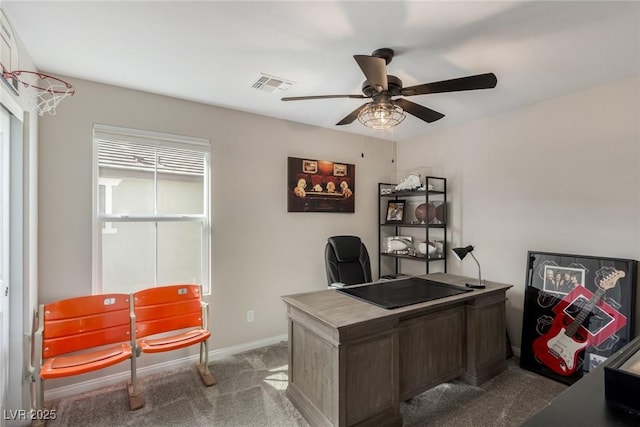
578 311
320 186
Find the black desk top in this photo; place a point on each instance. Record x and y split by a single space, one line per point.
403 292
582 404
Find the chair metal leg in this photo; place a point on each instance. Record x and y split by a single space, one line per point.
136 401
39 393
203 368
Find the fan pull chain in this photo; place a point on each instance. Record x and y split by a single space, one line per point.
393 146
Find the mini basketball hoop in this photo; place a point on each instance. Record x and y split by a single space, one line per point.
47 90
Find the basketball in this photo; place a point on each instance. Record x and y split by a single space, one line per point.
440 213
425 213
421 212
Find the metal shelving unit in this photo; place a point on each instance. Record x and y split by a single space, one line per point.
418 231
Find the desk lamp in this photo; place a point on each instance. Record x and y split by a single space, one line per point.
460 253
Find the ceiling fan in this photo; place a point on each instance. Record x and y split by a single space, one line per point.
384 111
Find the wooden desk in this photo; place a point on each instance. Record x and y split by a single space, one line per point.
351 362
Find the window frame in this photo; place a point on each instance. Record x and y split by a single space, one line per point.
136 136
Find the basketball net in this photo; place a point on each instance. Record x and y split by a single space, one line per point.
46 91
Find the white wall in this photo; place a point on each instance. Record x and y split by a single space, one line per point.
260 251
559 176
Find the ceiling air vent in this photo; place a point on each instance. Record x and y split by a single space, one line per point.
271 84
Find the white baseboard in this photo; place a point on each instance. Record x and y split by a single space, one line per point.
85 386
516 351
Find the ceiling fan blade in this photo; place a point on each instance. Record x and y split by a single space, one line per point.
423 113
302 98
374 69
479 81
352 116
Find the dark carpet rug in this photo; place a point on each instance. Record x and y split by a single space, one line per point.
251 392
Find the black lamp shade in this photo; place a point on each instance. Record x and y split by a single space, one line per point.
460 253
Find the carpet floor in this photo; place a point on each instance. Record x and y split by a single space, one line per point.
251 392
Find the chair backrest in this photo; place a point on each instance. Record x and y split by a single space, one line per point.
347 260
85 322
167 308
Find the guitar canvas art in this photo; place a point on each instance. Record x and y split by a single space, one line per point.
578 311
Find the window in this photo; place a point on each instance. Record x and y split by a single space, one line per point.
151 210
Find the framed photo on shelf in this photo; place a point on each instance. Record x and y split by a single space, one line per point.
395 211
578 311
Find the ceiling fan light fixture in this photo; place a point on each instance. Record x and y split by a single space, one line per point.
381 115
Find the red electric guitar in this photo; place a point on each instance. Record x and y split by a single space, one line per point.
558 349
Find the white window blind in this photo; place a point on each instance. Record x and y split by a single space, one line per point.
142 157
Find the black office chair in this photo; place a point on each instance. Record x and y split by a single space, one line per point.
347 261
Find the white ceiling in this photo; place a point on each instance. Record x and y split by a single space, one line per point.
212 51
